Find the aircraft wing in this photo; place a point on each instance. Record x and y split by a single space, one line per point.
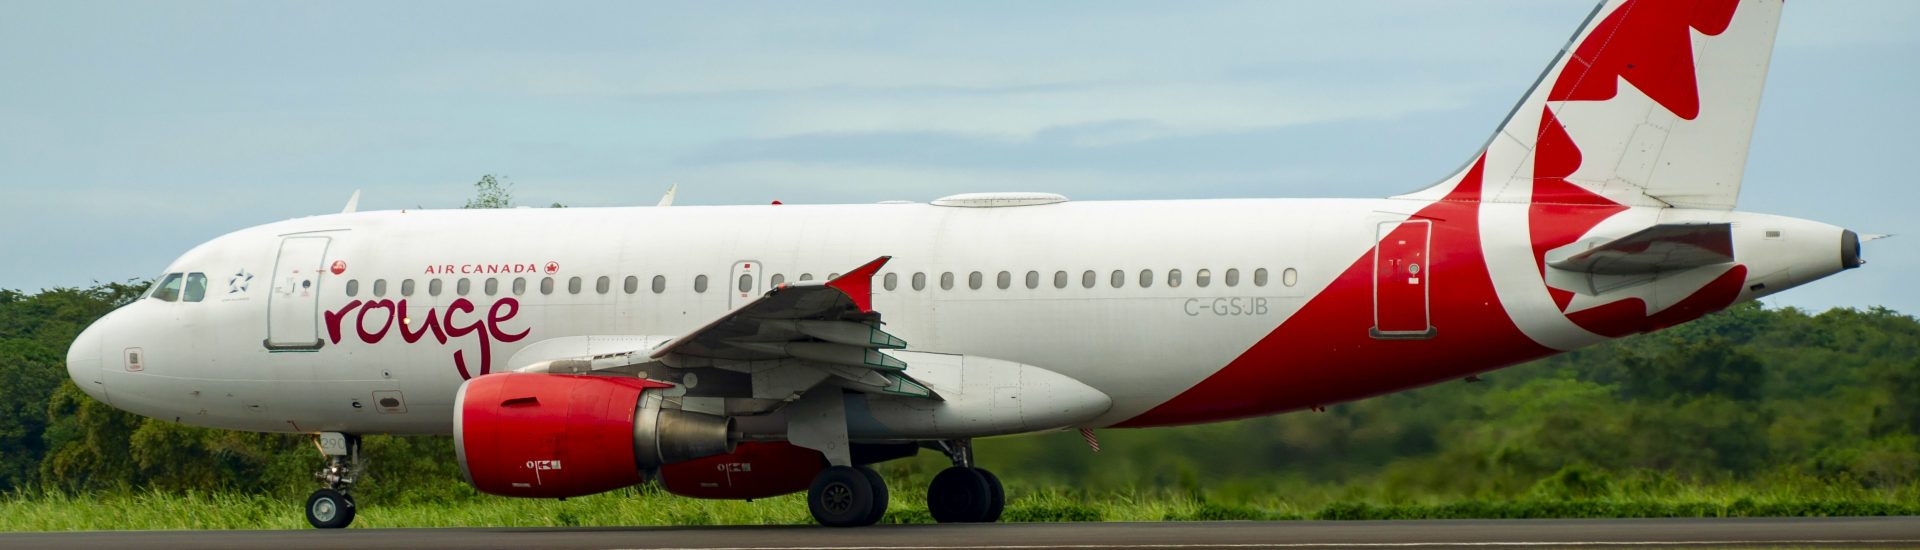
828 325
1664 247
791 338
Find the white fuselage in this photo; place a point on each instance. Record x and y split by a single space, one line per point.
1141 341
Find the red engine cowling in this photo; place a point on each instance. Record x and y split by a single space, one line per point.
556 435
755 470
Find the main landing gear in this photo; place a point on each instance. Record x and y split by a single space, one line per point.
856 496
963 493
331 507
847 496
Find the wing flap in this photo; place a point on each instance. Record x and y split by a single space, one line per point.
829 326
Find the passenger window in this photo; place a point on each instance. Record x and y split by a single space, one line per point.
169 288
700 283
1089 278
892 281
493 286
519 286
1289 277
833 276
573 285
946 281
353 288
433 287
1033 279
406 287
746 282
1059 279
1146 278
1202 277
974 279
546 285
659 284
1260 277
1173 278
1004 280
777 280
603 284
463 287
196 287
1233 277
920 281
379 288
806 276
1119 278
631 285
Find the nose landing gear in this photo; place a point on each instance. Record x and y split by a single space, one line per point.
332 506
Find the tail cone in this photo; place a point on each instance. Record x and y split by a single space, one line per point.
1850 250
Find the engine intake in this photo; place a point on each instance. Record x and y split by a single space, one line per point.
557 435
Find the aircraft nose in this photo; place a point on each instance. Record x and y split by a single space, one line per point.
83 362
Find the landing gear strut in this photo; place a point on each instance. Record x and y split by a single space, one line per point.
332 506
963 493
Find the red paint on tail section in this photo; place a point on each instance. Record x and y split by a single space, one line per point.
1323 354
1649 44
1629 316
1561 211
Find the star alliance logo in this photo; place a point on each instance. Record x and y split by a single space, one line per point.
238 284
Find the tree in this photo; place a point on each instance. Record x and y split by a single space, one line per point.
35 331
490 192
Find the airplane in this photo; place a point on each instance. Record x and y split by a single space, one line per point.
740 352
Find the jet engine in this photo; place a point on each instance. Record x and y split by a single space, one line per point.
558 436
755 470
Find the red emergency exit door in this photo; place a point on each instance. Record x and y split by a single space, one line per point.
1401 277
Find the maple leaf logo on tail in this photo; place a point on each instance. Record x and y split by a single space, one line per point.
1660 98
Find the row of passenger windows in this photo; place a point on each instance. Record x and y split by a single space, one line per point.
1088 279
1175 278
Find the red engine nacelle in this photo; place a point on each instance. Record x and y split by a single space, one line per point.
755 470
556 435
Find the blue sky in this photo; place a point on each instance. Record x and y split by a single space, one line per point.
131 132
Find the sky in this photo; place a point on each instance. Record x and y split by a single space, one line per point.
130 132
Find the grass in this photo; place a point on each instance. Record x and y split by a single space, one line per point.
632 507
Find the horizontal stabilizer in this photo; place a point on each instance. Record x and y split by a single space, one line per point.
1665 247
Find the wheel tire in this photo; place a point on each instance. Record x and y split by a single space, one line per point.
996 497
329 509
959 495
842 496
880 494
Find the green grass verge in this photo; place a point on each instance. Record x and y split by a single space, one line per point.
154 510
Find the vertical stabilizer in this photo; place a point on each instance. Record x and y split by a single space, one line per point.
667 199
1651 104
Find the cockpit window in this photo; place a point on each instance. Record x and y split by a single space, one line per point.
169 288
196 287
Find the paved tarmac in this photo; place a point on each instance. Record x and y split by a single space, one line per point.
1901 532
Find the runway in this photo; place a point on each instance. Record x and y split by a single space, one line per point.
1902 532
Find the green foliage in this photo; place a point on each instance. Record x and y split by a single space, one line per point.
1213 511
35 331
1574 482
490 192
